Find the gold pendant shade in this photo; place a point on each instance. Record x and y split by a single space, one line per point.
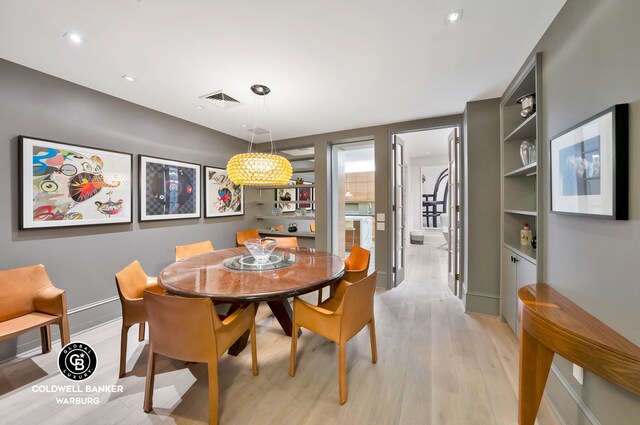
259 169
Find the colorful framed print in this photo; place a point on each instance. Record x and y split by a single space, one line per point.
222 197
287 198
65 185
169 190
590 166
305 194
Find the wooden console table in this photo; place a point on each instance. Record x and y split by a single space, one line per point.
550 323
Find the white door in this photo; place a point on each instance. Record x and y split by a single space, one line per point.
453 206
399 210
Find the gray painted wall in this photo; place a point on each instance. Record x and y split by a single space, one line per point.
481 207
591 62
381 135
83 260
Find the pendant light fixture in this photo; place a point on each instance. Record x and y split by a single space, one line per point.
259 169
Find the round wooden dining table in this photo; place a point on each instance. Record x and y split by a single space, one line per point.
206 275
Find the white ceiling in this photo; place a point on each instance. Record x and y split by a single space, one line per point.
331 65
426 143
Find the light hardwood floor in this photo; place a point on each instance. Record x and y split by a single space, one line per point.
436 365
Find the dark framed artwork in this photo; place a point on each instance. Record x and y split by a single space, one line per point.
589 166
169 189
65 185
287 198
305 194
222 197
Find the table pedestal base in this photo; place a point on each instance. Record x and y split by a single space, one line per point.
281 310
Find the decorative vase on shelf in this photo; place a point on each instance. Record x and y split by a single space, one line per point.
527 152
528 103
525 236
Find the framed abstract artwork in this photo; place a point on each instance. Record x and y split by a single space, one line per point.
222 197
64 185
589 165
305 194
287 197
169 189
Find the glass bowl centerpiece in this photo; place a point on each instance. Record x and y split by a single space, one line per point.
261 249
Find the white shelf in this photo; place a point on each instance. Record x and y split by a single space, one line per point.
287 186
304 170
299 234
526 251
527 170
522 212
285 202
289 216
525 131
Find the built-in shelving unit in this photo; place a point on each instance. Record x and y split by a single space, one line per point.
299 234
521 188
265 200
287 216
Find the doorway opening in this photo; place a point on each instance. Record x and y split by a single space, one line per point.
425 202
353 201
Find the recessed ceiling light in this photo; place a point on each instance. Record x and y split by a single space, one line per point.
199 107
453 16
129 78
73 37
245 125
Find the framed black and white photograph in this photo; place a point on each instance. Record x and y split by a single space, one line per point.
169 189
287 198
590 166
65 185
222 197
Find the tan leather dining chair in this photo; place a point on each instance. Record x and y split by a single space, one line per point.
246 234
186 251
287 242
189 329
338 319
131 282
356 267
28 300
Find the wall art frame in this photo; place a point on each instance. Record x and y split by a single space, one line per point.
286 198
222 197
69 185
589 166
305 197
168 189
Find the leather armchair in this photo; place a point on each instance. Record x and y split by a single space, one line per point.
28 300
185 251
189 329
356 267
338 319
246 234
131 282
287 242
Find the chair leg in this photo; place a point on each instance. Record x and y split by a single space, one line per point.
320 295
64 331
372 336
123 350
294 346
254 349
45 338
151 375
141 331
342 371
213 392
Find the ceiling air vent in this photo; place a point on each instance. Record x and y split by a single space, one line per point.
221 99
257 130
